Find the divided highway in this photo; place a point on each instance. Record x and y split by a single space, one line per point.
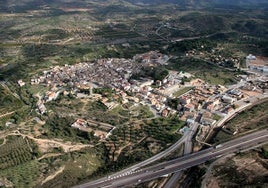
185 138
181 163
187 149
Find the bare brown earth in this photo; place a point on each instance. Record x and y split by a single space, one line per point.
52 176
242 170
260 61
6 114
46 144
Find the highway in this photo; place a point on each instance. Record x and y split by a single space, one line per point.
188 135
176 176
188 146
182 163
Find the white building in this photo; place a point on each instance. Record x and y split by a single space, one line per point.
251 57
228 99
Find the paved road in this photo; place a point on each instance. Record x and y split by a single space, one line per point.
172 181
188 146
182 163
162 154
134 168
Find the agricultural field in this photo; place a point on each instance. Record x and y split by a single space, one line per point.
30 170
16 151
131 144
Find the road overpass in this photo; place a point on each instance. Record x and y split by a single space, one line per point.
185 138
188 146
182 163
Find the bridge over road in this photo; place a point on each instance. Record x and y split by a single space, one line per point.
182 163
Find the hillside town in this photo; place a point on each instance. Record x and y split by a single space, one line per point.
133 93
179 93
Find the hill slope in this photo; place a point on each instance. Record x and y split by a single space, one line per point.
204 2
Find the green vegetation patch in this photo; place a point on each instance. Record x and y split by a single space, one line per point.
204 70
77 167
164 129
248 120
264 151
205 23
182 91
254 118
23 175
17 151
60 127
16 103
7 101
156 73
222 137
55 34
119 31
139 141
197 44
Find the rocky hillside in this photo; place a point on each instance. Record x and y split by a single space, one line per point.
243 170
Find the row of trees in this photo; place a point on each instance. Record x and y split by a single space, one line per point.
17 151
